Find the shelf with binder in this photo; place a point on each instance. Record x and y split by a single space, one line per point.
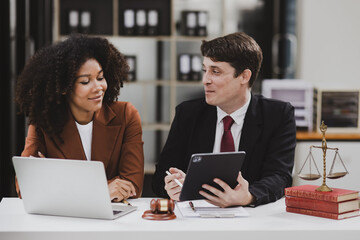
160 39
144 18
85 16
189 61
189 67
198 18
193 23
146 33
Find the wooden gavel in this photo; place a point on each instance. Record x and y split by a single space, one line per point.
162 205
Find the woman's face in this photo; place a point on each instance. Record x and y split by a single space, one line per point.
88 92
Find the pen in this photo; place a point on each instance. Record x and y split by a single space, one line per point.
177 181
192 206
126 202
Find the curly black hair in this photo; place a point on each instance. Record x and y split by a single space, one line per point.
49 77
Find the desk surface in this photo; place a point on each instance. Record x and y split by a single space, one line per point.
269 221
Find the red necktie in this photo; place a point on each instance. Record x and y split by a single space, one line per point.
227 141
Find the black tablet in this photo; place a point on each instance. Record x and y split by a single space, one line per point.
204 167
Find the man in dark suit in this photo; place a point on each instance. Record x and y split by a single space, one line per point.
263 128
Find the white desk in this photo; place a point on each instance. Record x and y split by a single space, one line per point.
270 221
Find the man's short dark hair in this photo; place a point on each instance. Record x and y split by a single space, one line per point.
238 49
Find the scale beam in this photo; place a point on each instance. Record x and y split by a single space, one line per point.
310 158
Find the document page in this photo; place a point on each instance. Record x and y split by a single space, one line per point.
202 208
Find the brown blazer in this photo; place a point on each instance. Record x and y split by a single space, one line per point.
117 142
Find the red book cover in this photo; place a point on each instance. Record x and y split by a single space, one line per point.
323 214
308 191
323 206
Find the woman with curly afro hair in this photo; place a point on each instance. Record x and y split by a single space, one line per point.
69 93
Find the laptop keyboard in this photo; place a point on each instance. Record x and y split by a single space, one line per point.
116 212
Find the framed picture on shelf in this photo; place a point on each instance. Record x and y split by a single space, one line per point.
339 110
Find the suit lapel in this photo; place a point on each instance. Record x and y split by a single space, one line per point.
251 130
104 135
71 147
206 128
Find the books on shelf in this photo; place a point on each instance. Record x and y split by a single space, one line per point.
337 204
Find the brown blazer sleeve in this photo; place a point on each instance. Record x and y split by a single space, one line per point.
34 143
117 141
131 164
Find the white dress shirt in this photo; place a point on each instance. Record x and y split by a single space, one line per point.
236 128
85 132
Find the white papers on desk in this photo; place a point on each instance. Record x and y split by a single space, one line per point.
207 210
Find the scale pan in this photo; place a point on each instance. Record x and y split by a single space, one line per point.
309 176
336 175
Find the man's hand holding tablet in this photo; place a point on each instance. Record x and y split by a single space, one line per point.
214 177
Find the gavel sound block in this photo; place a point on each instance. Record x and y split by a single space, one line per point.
160 209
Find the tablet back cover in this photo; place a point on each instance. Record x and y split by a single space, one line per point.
204 167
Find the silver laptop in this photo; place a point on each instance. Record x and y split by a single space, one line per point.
65 187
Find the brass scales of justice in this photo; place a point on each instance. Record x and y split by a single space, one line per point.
310 158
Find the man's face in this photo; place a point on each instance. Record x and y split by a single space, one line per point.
222 89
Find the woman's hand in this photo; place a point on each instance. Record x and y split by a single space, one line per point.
41 155
121 189
171 187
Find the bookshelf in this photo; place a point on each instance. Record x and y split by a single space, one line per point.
157 89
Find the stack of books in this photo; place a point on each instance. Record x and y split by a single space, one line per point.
337 204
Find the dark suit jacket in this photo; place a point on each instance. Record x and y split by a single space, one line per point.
268 138
117 142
